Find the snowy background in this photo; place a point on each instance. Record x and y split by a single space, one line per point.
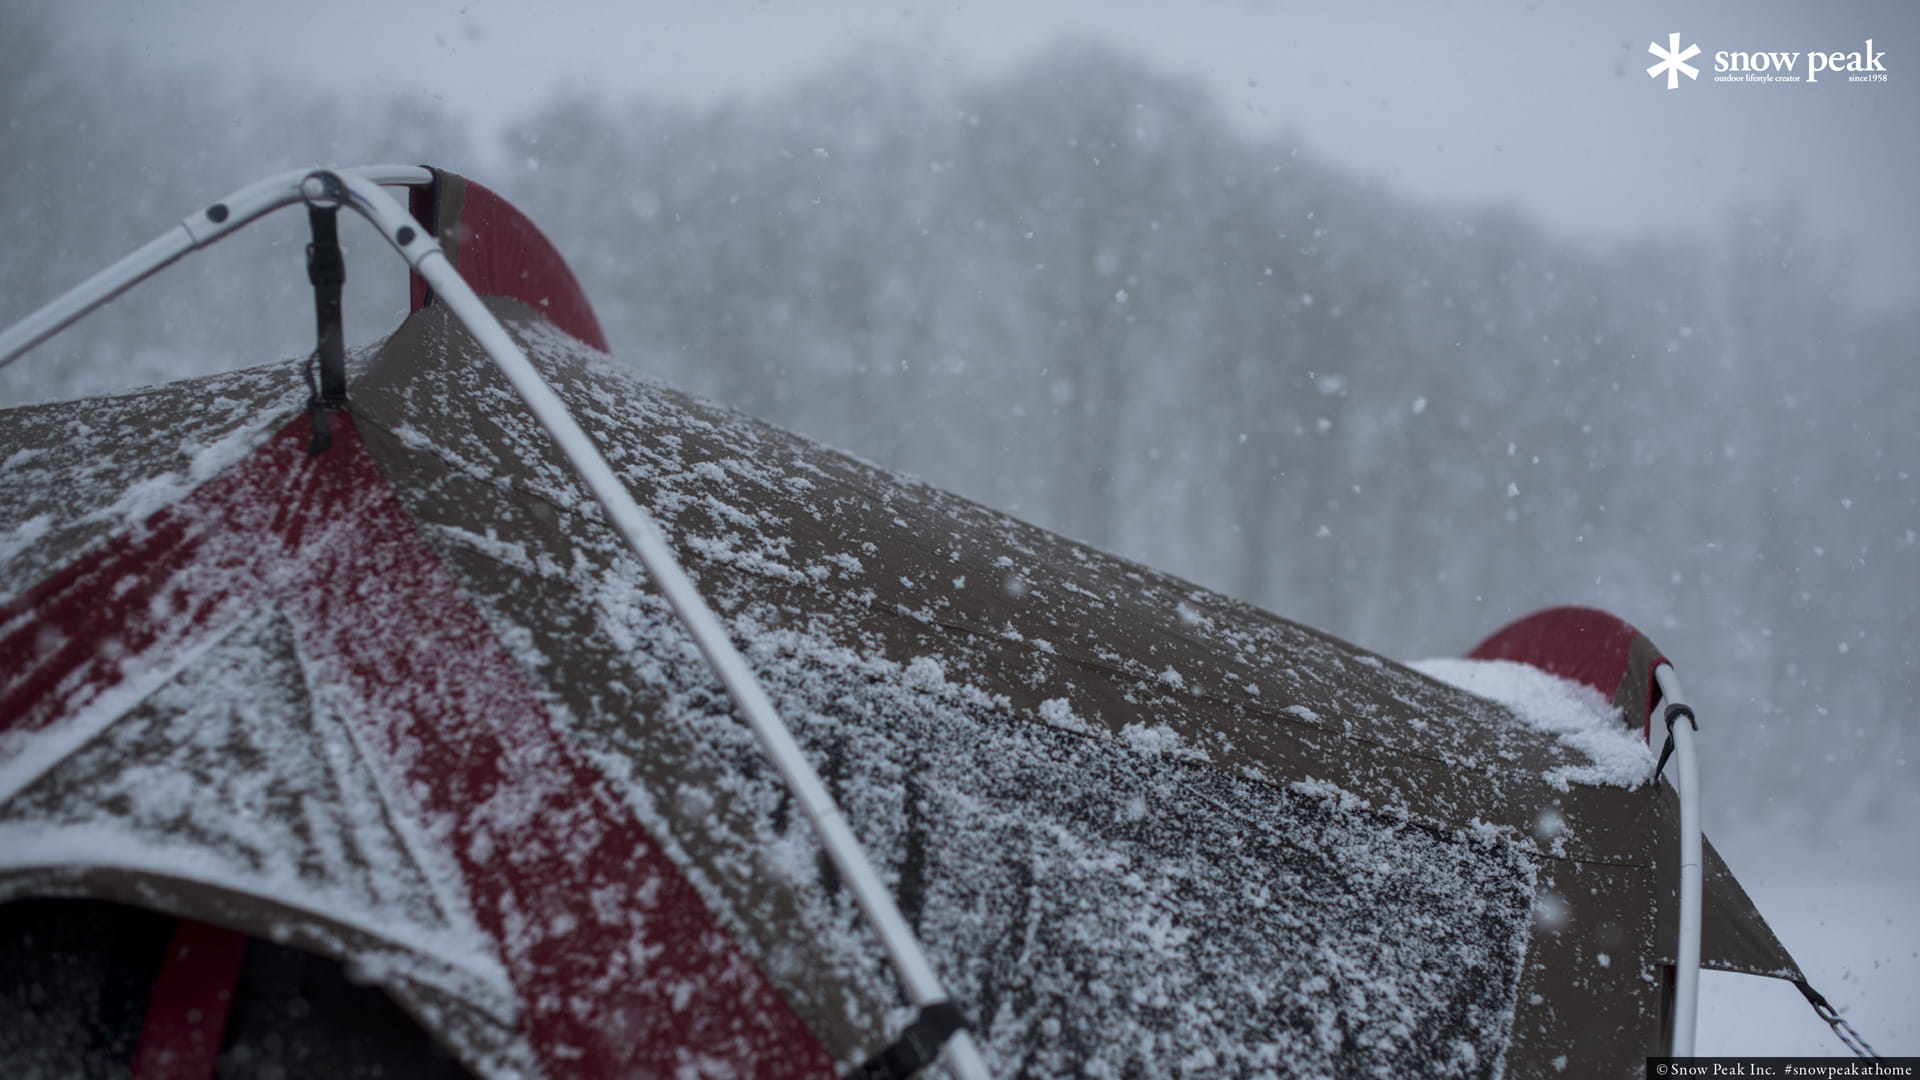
1399 323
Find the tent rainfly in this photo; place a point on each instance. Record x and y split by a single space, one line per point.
377 748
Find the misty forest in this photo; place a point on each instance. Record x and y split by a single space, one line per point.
1079 292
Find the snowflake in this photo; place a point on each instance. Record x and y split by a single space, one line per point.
1673 61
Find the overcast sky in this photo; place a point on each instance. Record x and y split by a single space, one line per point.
1547 104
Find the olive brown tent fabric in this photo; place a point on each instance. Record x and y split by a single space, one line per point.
408 704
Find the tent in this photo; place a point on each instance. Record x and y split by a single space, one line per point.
381 751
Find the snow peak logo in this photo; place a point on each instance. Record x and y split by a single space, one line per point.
1673 62
1862 65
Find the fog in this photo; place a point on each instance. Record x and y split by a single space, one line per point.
1391 372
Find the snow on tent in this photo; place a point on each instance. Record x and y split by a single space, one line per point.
378 748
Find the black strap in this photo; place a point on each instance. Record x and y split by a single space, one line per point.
327 270
321 429
917 1047
1674 712
1859 1046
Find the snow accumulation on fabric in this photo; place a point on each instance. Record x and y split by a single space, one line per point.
269 799
70 475
1578 715
1072 773
1105 902
1108 909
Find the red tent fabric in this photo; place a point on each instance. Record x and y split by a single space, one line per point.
320 541
409 705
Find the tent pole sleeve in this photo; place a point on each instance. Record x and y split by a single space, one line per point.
421 251
1686 987
199 229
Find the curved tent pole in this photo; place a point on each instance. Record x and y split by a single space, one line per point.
423 254
197 230
1686 982
1599 650
359 189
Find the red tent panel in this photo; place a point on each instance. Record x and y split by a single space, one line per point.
618 965
501 252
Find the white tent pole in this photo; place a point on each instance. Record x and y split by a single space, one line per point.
197 231
423 253
360 189
1686 983
91 293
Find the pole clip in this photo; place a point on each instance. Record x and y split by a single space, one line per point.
1674 712
917 1047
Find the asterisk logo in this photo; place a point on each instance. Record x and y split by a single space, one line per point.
1673 61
